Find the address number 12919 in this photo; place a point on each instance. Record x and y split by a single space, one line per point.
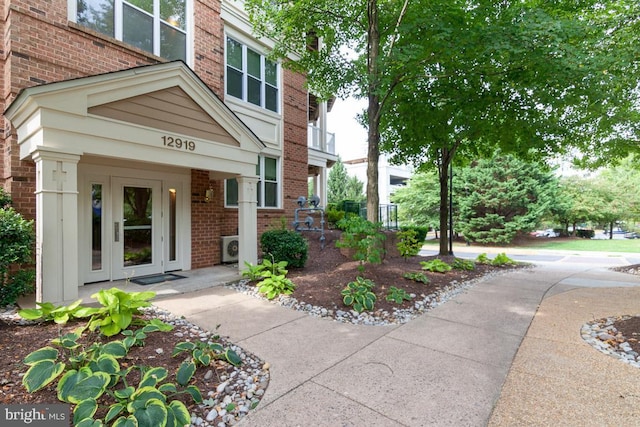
179 144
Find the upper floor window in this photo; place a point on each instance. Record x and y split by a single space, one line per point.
156 26
251 77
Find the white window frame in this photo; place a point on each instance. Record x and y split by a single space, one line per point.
245 75
72 15
261 193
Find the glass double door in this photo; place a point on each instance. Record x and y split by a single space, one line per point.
132 229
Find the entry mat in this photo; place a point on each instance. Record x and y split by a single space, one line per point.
156 278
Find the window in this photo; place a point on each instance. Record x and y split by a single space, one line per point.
267 194
251 77
156 26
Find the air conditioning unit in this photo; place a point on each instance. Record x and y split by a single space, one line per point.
230 248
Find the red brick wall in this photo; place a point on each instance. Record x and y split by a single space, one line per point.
295 155
40 46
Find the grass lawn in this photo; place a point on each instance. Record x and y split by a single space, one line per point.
598 245
574 244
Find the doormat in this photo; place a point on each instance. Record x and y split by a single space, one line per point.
156 278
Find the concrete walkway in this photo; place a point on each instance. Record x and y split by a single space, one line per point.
507 352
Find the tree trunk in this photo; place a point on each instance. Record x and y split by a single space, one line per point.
610 230
373 112
443 177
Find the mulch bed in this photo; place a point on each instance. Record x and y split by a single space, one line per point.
327 271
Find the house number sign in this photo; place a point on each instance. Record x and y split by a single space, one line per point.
178 143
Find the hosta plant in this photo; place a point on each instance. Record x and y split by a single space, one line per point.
148 403
275 282
46 311
202 353
435 266
483 259
416 277
463 264
117 311
358 294
253 272
397 295
96 372
502 259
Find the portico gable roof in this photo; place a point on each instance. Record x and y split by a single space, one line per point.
160 113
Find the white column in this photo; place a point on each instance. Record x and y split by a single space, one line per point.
56 226
247 221
322 185
322 119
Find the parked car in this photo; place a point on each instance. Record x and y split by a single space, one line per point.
550 232
632 235
616 230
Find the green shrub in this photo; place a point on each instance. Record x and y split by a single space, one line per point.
421 232
17 238
20 282
364 237
585 234
285 245
435 266
350 207
408 243
333 216
5 199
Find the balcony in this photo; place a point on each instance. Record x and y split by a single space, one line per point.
314 140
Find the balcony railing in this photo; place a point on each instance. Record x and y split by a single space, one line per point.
314 140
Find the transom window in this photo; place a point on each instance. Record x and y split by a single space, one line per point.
156 26
267 171
251 77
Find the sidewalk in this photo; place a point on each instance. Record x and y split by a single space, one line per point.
447 367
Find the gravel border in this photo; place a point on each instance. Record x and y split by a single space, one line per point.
421 304
604 337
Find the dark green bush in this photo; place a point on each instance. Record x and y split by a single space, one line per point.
285 245
16 244
421 232
5 199
19 283
585 234
334 216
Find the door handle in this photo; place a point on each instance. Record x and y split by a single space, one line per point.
116 232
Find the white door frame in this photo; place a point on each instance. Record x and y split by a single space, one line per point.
111 179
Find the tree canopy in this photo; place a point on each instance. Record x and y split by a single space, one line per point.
502 197
418 202
533 78
341 186
456 79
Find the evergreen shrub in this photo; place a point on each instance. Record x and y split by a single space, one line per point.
285 245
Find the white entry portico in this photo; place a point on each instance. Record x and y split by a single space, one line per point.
113 155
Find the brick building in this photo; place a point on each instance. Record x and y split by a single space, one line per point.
138 134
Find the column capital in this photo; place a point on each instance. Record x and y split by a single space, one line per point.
47 153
